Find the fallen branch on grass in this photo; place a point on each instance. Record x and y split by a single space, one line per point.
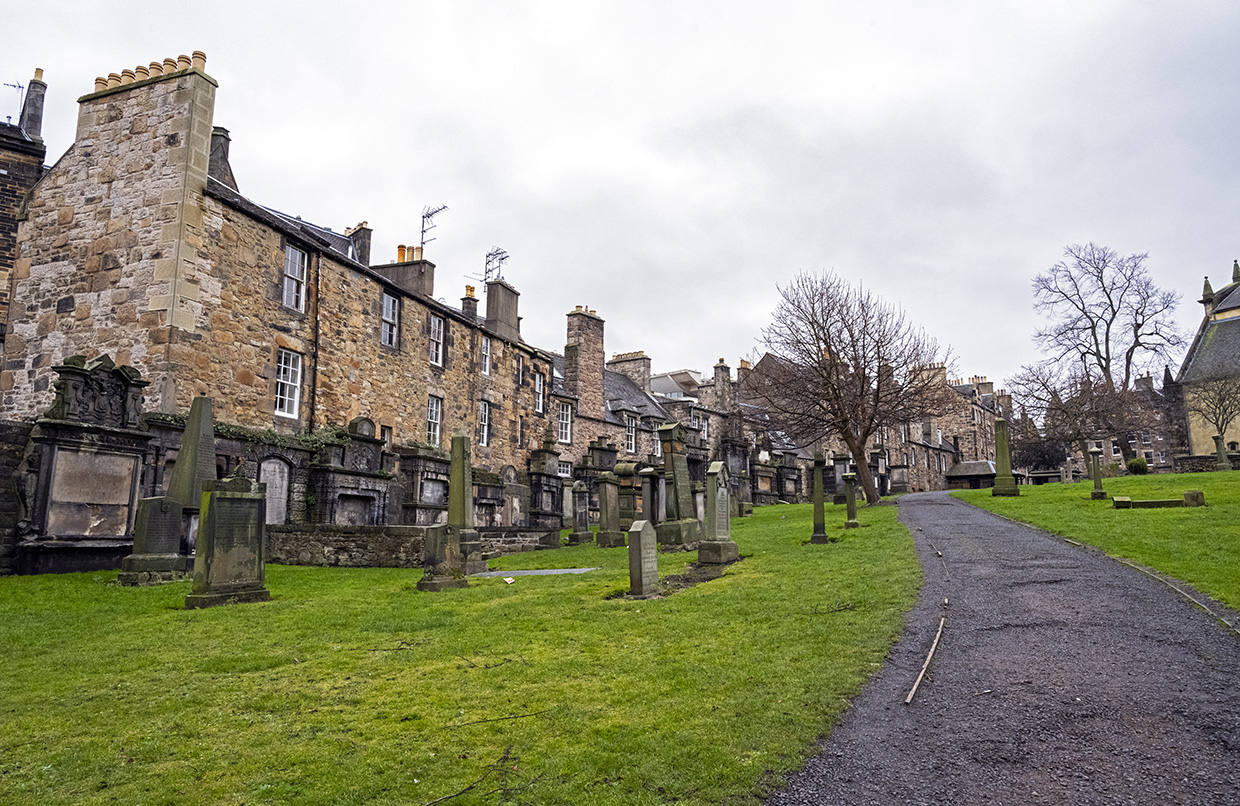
496 719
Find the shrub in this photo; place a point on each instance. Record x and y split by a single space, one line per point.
1137 466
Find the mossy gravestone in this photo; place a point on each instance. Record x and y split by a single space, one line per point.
231 560
581 515
643 560
609 534
718 547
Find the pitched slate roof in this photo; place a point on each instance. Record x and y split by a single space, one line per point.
619 390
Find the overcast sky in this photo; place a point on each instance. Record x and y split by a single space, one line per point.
670 164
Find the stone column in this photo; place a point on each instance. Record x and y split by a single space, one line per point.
1095 467
1220 451
649 478
850 498
1005 482
820 511
461 506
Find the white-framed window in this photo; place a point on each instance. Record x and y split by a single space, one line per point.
566 469
390 328
436 342
539 382
1149 456
1115 450
520 370
434 419
630 434
486 355
295 262
385 434
565 420
288 382
702 423
484 423
1145 437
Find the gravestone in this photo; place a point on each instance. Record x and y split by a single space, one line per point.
744 495
682 525
820 512
718 547
1195 498
275 474
1005 482
231 561
840 466
1220 451
1095 467
850 498
195 464
609 534
1065 473
442 567
581 516
650 479
643 560
461 506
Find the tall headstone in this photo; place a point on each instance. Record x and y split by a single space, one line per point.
718 547
581 516
231 561
850 498
643 560
442 567
744 495
166 527
1005 482
609 534
1095 466
820 510
840 465
682 525
461 506
1220 451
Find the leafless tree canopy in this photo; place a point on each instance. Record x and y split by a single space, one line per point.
1108 321
1216 400
842 362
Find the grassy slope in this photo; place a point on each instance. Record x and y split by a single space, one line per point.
1199 545
351 687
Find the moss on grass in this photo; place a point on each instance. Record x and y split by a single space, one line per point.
352 687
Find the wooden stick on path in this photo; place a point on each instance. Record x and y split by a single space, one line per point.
909 699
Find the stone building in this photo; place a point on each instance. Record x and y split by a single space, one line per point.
21 165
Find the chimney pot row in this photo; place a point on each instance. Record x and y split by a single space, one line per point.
155 69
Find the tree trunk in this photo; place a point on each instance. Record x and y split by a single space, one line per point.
868 486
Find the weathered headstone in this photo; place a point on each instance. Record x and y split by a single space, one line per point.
850 498
682 525
840 466
461 506
1005 482
231 560
650 479
744 495
718 547
155 517
1065 473
1220 451
609 534
441 559
1195 498
820 511
1095 465
643 560
581 515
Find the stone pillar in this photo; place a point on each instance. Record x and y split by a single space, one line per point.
609 534
1005 482
1095 468
850 498
461 506
1220 450
820 510
718 547
643 560
581 516
649 478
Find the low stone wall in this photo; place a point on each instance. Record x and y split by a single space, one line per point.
513 539
1203 464
346 546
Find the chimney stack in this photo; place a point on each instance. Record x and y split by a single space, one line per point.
469 304
360 235
32 109
583 361
502 310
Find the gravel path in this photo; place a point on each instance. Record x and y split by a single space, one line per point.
1061 677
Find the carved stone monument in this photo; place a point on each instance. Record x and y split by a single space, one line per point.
581 516
1095 470
230 564
820 514
682 525
643 560
461 506
718 547
744 495
1005 482
850 498
650 481
840 465
609 534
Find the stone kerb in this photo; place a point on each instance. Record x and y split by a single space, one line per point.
718 547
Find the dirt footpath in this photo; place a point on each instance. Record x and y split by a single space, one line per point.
1061 677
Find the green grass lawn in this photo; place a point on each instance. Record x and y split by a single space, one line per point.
352 687
1200 545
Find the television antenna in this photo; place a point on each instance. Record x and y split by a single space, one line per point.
428 221
21 93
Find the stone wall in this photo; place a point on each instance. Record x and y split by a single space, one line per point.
346 546
1204 464
21 165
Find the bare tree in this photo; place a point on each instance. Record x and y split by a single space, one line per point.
1216 400
842 362
1108 322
